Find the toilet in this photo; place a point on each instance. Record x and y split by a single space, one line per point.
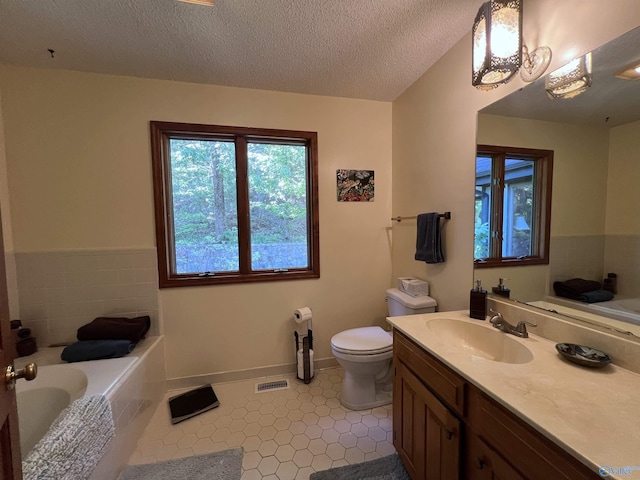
365 354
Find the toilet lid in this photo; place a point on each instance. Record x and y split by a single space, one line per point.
365 340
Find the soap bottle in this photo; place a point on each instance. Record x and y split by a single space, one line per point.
611 283
501 289
478 302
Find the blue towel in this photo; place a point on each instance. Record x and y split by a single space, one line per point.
96 350
428 241
596 296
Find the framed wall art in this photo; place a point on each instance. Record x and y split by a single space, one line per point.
355 185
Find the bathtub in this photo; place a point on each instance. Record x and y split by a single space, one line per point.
624 309
621 309
40 401
133 385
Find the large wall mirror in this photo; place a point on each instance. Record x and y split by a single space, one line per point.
595 211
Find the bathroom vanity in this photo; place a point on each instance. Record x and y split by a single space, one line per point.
472 402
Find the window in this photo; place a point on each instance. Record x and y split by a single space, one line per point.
234 204
512 206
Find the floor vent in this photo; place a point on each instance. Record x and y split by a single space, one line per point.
274 385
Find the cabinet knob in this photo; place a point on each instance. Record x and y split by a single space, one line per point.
448 434
479 463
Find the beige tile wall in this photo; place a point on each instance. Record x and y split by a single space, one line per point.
593 256
60 291
576 256
622 256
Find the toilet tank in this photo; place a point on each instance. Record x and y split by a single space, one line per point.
399 304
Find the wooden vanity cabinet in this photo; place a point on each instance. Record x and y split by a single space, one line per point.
484 463
445 428
530 452
426 434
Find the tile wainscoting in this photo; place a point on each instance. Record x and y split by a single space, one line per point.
59 291
593 256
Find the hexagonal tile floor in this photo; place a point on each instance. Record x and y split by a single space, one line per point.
286 434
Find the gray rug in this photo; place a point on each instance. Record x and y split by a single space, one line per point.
225 465
385 468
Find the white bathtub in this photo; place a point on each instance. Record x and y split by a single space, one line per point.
621 309
40 401
123 381
624 309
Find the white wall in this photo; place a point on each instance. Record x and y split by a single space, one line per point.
623 193
79 175
622 253
434 133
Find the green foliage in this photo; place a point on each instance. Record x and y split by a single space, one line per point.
481 240
204 192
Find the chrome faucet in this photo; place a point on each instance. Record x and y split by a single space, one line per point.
520 330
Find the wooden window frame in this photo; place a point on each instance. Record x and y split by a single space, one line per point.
543 180
161 134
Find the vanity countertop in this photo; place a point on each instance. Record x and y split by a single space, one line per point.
594 414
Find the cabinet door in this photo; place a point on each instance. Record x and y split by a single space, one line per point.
533 454
425 433
484 463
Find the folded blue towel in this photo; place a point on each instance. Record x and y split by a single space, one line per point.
596 296
96 350
428 241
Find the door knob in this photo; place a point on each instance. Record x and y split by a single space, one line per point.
29 372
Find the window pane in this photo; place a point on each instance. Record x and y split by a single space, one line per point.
518 208
278 206
483 207
203 176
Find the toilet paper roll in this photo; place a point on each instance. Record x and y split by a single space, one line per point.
302 314
301 364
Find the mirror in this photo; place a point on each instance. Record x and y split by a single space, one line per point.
595 221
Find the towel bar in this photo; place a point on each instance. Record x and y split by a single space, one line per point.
445 215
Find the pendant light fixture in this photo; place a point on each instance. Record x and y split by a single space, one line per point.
497 43
570 80
498 51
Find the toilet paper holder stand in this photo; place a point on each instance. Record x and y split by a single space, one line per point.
306 357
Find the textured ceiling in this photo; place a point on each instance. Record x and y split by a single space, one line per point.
371 49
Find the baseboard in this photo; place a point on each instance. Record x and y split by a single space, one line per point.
250 373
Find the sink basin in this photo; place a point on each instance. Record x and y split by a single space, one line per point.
479 340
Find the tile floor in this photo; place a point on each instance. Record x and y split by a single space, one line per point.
286 434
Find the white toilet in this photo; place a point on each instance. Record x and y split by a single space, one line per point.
365 354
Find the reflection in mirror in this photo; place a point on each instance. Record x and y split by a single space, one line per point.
513 203
595 224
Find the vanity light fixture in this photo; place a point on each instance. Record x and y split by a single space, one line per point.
497 43
629 73
497 49
570 80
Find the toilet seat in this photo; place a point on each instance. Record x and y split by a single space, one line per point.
362 341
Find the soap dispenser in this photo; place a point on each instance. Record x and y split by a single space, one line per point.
478 302
501 289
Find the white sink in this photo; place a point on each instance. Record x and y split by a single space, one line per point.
479 340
